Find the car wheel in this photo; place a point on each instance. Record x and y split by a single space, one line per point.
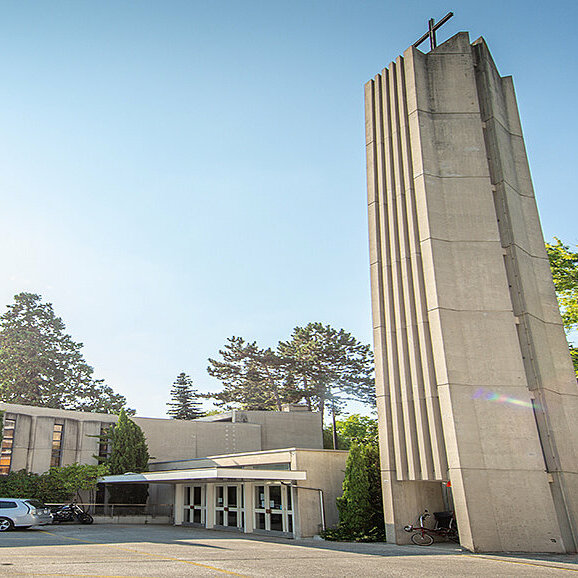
6 524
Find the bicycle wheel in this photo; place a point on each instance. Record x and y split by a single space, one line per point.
454 537
422 539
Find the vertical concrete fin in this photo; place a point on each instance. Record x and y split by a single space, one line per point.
403 299
375 172
391 254
405 374
411 275
434 463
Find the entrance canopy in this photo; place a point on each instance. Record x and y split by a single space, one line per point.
204 474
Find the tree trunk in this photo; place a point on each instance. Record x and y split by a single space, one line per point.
335 441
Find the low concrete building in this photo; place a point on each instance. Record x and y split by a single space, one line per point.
36 438
289 492
232 470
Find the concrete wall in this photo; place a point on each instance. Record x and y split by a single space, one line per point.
453 224
167 439
326 470
32 447
302 428
179 439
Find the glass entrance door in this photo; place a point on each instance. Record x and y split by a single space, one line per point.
195 504
229 506
274 508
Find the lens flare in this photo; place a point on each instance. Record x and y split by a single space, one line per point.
488 395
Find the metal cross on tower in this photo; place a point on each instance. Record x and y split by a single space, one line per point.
431 33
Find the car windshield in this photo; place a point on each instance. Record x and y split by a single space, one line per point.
36 503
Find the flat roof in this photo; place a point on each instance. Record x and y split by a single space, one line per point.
209 474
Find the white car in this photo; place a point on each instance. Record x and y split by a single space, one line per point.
19 513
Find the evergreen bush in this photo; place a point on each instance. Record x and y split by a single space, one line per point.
361 505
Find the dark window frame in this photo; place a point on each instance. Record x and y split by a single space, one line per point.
7 444
57 437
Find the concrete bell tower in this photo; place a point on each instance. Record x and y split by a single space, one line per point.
474 380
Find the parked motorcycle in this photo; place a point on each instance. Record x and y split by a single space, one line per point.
71 513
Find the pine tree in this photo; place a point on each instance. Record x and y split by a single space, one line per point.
41 365
254 378
184 402
330 366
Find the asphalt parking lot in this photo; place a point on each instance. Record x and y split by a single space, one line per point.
118 551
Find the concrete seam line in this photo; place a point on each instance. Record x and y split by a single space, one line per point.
148 554
73 575
524 563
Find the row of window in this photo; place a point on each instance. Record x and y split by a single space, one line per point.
56 452
8 444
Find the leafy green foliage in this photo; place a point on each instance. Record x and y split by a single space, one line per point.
253 378
564 265
184 402
54 486
361 506
329 365
41 365
574 356
319 364
77 478
22 485
355 427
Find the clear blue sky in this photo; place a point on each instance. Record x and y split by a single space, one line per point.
176 172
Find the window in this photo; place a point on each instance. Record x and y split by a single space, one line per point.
6 505
57 434
103 444
7 444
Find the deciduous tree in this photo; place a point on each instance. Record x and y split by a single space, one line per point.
355 427
55 485
41 365
564 265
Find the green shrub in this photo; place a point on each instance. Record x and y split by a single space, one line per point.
361 505
54 486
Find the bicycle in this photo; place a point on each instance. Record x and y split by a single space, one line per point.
445 528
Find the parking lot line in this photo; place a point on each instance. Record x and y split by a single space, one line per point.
132 550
